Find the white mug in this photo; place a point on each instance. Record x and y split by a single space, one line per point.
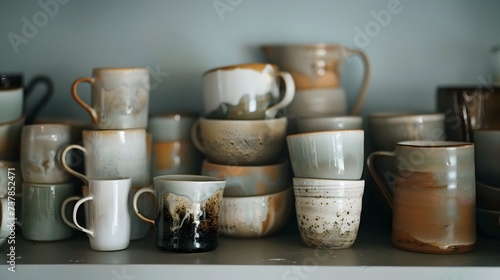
112 153
108 216
11 104
120 97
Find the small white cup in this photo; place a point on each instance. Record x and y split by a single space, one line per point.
11 104
108 215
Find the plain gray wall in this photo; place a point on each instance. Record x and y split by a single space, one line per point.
426 44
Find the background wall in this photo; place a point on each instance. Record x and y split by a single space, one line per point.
426 44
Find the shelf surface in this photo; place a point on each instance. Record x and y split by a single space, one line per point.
280 256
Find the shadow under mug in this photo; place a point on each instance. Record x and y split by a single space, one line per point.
16 80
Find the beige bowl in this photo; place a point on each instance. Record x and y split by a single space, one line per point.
487 197
489 222
255 216
250 180
240 142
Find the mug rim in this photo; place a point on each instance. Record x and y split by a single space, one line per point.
173 115
439 144
242 65
99 69
306 45
406 115
85 130
333 131
205 119
187 178
16 121
277 163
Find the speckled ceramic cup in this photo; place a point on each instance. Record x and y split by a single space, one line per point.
327 154
328 211
240 142
188 212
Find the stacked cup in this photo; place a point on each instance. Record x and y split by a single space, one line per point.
328 191
243 141
116 147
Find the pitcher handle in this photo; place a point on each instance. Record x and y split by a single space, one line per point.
69 169
63 210
360 100
85 106
136 208
287 98
386 191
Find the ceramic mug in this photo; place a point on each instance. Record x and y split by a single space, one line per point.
10 139
315 124
108 215
16 80
110 154
120 97
188 212
246 91
41 147
41 211
328 211
171 126
175 157
240 142
11 104
434 199
327 154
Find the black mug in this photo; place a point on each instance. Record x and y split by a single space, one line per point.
16 80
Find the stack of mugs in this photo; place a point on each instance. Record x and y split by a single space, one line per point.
320 99
115 151
243 141
327 166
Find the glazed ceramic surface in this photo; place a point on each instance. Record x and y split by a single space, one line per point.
246 92
175 157
328 211
314 124
111 154
386 129
41 211
10 139
41 147
318 66
250 180
120 97
11 104
487 197
434 196
108 215
171 126
188 212
234 142
318 102
327 154
255 216
487 150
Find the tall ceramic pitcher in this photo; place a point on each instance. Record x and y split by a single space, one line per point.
316 71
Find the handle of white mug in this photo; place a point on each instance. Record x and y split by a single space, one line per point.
136 208
67 168
63 210
360 100
386 191
92 112
195 138
287 98
75 211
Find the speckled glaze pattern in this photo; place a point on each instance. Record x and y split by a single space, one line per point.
327 154
10 139
238 142
328 211
250 180
255 216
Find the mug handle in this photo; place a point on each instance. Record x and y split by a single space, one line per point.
47 95
360 100
63 208
136 208
75 211
386 191
67 168
85 106
287 98
195 138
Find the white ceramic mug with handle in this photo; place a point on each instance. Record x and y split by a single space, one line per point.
108 215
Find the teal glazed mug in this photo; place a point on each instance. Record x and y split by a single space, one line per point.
188 212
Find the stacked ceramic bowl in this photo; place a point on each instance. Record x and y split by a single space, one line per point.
328 166
243 140
486 149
